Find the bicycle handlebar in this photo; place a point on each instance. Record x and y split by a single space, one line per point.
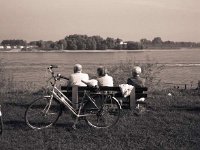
53 66
94 87
58 76
63 77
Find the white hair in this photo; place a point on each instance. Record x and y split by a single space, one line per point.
137 70
77 68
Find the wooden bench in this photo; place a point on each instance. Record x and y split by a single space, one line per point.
130 102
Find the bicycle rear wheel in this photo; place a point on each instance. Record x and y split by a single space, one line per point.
42 113
106 116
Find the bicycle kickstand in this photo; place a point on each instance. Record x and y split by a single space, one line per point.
74 125
77 117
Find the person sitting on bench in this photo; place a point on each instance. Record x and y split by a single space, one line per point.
137 82
77 77
103 78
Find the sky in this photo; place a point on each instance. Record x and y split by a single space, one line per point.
30 20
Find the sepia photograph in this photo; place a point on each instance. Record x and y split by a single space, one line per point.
99 75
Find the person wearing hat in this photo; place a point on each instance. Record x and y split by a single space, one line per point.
77 77
136 80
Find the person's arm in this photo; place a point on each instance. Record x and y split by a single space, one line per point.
143 82
88 77
112 82
129 81
69 81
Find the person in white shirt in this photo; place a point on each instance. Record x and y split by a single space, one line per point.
103 78
77 77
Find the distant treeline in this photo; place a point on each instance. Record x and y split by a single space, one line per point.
14 43
84 42
80 42
157 43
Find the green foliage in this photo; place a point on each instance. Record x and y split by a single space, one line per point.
134 45
111 43
82 42
14 42
150 71
157 40
157 43
91 44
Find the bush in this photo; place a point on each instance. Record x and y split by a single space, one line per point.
150 71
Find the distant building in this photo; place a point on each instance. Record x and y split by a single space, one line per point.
8 47
20 46
123 44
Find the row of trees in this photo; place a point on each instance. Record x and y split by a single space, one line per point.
84 42
158 43
14 43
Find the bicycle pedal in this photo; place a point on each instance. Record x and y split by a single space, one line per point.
74 127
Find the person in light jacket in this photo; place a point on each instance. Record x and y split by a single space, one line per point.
103 78
77 77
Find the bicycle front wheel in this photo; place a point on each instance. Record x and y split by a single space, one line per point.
107 115
42 113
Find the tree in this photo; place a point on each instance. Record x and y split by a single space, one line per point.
71 45
110 42
157 40
145 43
91 44
133 45
99 40
103 45
62 44
40 44
14 42
118 41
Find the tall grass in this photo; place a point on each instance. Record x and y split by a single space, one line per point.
150 71
11 90
172 122
6 80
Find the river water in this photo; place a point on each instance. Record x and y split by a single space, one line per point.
182 66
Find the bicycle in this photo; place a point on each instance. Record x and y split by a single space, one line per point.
104 113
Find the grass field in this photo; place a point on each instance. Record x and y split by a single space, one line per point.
172 122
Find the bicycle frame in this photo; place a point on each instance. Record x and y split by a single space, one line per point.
56 93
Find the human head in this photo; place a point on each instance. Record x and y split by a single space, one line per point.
101 71
136 71
77 68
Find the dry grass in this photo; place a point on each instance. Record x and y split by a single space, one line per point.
171 122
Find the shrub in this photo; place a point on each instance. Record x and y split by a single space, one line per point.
122 71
